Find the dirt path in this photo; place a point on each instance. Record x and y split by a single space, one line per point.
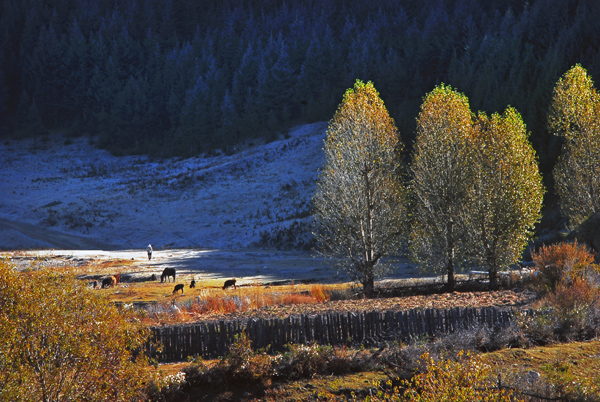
248 266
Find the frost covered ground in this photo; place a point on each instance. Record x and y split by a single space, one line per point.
127 202
222 213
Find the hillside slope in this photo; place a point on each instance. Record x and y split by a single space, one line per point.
59 193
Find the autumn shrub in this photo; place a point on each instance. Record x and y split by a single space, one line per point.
575 310
319 293
568 278
562 263
60 341
463 378
295 298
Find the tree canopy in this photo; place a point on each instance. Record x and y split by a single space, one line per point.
360 203
574 116
442 170
507 200
183 77
476 186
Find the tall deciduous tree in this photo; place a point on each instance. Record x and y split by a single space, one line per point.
442 179
360 200
508 193
575 116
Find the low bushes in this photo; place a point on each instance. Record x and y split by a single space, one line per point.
568 280
563 263
253 370
462 378
59 341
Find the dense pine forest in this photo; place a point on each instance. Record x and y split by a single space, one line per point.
171 77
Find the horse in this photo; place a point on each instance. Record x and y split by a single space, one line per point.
166 273
228 283
178 288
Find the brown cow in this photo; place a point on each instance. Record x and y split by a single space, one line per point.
178 288
167 272
228 283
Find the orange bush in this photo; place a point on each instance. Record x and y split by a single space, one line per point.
318 293
578 294
561 263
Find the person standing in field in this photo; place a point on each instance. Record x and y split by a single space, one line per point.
149 250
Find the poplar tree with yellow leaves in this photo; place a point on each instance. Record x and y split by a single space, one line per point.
442 178
360 202
508 196
575 116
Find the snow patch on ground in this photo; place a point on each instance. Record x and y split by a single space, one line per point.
70 187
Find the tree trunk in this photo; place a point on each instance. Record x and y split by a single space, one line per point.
368 280
493 278
450 268
492 268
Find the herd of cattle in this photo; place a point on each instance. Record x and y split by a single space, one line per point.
113 280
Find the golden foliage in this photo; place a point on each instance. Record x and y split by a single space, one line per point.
508 193
465 379
60 341
360 203
442 175
574 116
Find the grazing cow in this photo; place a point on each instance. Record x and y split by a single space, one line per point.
109 281
178 288
228 283
166 273
193 284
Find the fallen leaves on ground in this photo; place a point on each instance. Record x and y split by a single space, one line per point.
500 298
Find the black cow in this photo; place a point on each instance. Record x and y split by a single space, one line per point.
228 283
178 288
166 273
109 281
193 284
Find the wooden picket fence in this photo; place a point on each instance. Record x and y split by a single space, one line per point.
212 339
